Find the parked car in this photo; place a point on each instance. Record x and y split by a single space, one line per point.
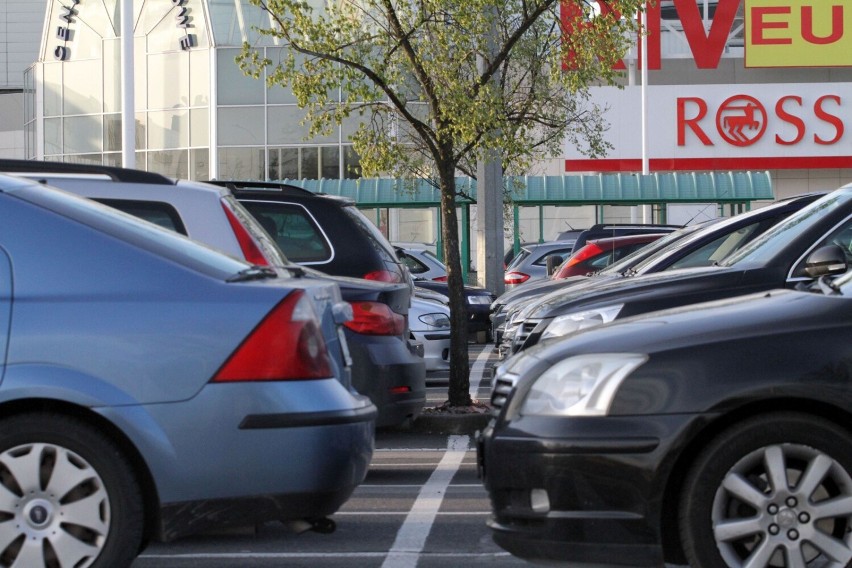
376 352
693 245
600 253
429 322
154 387
422 263
717 434
531 263
478 304
608 231
778 258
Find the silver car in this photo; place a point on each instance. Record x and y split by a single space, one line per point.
531 262
422 263
429 323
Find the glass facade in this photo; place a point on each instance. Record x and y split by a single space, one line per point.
197 115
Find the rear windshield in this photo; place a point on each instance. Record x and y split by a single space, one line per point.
145 235
376 239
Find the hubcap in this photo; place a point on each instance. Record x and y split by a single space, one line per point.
57 508
785 505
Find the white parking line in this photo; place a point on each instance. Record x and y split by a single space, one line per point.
412 535
478 370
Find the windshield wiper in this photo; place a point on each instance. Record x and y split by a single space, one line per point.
253 273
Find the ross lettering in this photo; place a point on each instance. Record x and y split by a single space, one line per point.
741 120
692 123
785 116
61 53
835 121
183 20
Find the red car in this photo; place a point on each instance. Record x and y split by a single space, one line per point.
598 254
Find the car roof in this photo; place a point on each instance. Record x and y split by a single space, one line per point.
626 239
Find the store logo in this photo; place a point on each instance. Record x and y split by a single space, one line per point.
741 120
183 18
64 31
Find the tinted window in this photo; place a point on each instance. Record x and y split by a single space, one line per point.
293 230
562 253
156 212
413 265
376 239
717 249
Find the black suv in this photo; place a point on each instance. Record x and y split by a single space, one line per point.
331 235
814 241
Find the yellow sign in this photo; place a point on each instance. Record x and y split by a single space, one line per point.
798 33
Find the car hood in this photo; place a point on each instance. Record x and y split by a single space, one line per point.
619 289
736 319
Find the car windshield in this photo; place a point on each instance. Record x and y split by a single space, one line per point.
646 251
767 245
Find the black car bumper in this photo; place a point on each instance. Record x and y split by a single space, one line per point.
478 318
586 491
394 378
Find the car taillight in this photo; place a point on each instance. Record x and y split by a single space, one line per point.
251 250
440 278
383 276
375 318
516 278
582 255
286 345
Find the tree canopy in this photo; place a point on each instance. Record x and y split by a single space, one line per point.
436 85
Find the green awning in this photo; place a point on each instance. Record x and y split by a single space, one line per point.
601 189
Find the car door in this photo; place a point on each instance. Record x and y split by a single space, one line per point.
5 306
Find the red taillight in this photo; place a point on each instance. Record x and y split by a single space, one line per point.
375 318
582 255
250 248
516 278
286 345
383 276
440 278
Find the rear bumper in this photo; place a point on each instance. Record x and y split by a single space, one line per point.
246 453
436 348
394 378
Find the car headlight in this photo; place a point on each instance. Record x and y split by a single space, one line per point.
479 300
435 320
569 323
584 385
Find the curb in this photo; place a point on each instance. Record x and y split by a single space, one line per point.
429 423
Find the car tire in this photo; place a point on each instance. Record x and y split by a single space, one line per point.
732 514
68 495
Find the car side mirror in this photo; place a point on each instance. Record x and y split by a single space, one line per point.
827 260
553 262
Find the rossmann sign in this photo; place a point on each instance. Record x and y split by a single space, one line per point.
738 126
726 127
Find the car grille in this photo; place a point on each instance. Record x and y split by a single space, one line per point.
503 385
523 332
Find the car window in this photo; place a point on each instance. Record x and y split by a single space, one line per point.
562 253
376 239
157 212
717 249
293 229
767 245
522 255
647 251
413 265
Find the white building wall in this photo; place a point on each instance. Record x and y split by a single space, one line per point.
21 23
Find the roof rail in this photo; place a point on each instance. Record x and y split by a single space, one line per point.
114 173
263 186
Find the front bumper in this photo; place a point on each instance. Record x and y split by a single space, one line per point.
479 318
386 370
584 491
436 348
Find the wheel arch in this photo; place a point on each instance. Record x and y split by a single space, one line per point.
150 495
672 546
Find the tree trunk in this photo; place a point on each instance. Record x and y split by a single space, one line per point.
459 390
